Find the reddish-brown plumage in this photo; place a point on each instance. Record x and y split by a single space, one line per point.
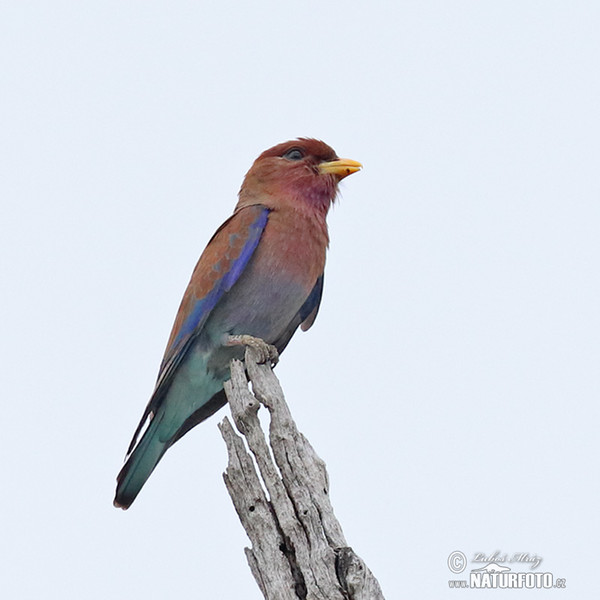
276 182
299 196
295 239
293 246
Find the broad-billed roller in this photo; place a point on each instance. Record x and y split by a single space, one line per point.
257 281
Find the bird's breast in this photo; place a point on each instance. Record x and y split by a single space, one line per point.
293 246
277 281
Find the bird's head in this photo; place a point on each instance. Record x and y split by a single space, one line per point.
303 173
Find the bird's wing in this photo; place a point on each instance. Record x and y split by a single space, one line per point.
222 262
305 317
309 310
219 267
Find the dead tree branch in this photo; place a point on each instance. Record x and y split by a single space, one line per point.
298 547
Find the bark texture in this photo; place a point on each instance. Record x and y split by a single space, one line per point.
282 499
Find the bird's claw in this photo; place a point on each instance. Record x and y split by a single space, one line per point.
266 352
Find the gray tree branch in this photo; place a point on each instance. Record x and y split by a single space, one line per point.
298 547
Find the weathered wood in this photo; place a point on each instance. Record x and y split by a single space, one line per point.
298 547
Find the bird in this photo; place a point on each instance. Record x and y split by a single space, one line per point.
259 278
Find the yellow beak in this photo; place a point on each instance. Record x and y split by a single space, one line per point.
342 167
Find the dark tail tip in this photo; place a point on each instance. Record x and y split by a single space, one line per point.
123 499
137 469
117 503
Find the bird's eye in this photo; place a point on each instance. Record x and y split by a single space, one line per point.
294 154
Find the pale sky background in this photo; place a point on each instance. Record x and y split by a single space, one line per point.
451 381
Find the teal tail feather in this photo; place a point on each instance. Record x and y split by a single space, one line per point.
139 465
146 454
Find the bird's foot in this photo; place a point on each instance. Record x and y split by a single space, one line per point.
266 352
